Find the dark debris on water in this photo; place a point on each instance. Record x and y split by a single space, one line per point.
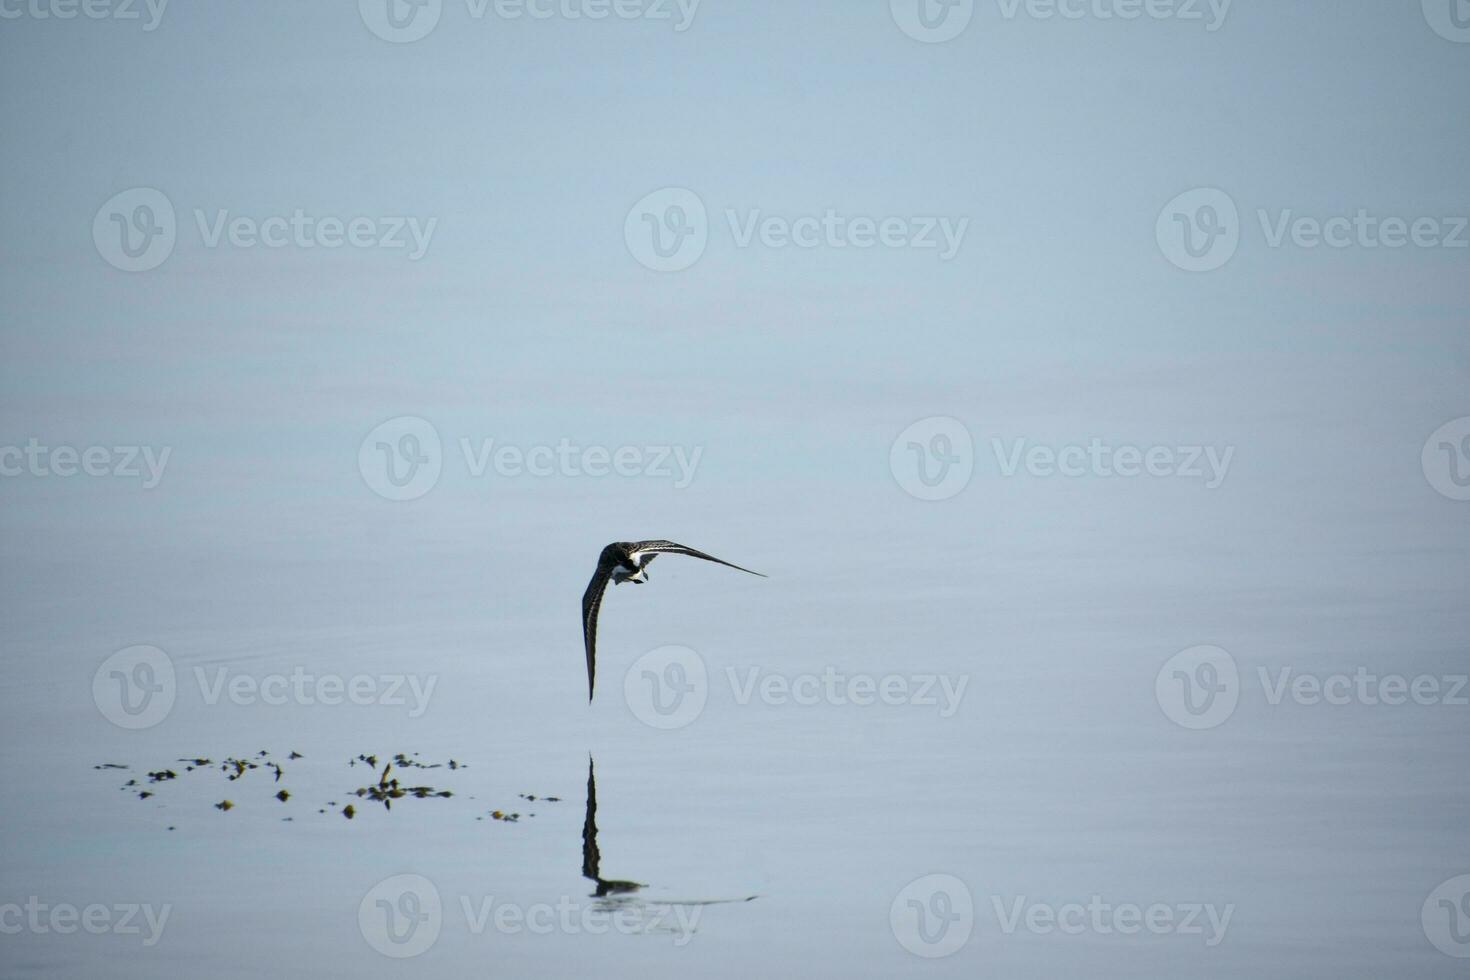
385 789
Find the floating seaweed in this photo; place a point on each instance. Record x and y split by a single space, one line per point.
387 787
239 765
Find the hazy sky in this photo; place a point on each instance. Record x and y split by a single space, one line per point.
1047 145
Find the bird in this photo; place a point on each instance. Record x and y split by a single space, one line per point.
627 561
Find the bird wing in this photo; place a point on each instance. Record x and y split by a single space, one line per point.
591 602
674 548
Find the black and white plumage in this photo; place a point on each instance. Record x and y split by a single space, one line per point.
626 561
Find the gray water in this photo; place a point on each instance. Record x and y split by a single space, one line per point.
1098 707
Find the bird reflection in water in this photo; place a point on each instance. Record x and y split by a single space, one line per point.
617 895
591 856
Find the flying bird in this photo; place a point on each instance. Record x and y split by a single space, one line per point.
626 561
